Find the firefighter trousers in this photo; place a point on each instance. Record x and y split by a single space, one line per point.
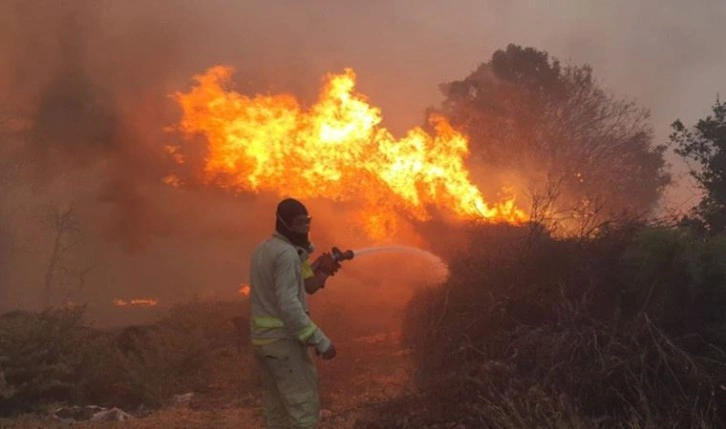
290 385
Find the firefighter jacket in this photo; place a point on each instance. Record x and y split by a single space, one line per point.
278 301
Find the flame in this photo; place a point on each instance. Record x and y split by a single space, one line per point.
335 149
244 289
139 302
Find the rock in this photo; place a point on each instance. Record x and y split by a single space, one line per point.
112 415
76 413
325 414
183 399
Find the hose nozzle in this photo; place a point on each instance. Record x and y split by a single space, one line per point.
339 255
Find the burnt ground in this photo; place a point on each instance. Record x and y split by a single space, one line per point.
367 372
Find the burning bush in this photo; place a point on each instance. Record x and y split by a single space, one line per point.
623 330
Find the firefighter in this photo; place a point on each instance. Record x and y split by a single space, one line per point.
281 329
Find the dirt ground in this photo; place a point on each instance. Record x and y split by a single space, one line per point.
367 372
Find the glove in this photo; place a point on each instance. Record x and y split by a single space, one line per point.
325 264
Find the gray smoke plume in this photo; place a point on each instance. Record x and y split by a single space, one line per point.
84 104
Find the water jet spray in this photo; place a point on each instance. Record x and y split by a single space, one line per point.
340 255
336 256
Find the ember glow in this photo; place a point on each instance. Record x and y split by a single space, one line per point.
138 302
244 289
335 149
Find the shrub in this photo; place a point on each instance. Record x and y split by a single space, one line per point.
46 357
54 356
622 330
179 353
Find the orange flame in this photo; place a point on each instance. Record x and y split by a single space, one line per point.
139 302
336 149
244 289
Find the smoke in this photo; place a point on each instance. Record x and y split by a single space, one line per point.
85 85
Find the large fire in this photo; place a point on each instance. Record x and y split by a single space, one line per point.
335 149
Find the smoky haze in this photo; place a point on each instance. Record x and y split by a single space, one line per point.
85 91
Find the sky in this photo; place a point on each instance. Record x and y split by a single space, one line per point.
666 55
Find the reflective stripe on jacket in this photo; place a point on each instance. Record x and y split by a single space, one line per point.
278 302
307 269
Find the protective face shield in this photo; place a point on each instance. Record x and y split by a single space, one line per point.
300 224
293 222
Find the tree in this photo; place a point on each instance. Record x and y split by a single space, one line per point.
64 276
705 144
584 155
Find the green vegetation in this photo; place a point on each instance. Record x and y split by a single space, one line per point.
625 329
54 356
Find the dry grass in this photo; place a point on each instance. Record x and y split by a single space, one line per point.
367 373
621 331
624 331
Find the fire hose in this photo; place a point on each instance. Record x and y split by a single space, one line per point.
328 263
